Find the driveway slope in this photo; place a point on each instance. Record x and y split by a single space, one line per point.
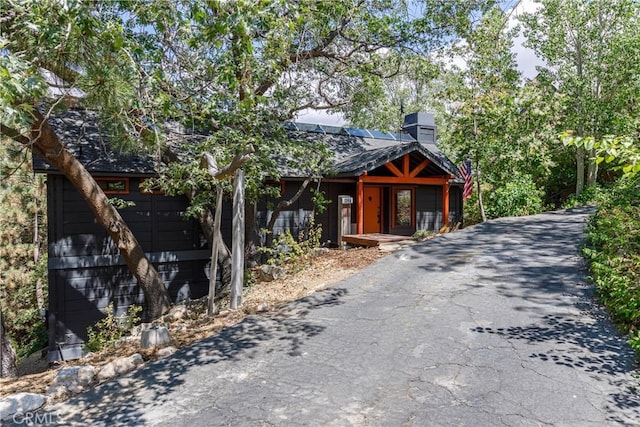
493 325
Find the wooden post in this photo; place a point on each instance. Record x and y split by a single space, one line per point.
237 253
360 207
445 204
215 242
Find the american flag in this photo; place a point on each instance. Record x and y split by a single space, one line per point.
465 172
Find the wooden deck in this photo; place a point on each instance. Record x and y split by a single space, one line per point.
373 239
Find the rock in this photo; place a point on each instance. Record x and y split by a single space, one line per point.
157 336
261 308
137 330
120 366
177 312
320 251
20 403
71 380
269 273
164 352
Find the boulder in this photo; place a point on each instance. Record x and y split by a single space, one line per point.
269 273
157 336
120 366
71 380
177 312
320 251
262 308
165 352
20 403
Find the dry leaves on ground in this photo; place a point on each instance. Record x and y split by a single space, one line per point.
323 271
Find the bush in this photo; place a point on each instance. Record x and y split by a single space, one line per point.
294 252
421 235
517 197
110 329
613 254
594 194
471 210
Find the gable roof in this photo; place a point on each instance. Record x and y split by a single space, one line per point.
355 151
359 150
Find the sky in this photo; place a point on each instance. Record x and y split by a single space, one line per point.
525 58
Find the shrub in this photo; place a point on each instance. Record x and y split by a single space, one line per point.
613 253
421 235
108 330
517 197
594 194
292 251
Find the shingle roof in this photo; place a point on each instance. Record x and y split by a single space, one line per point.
354 155
355 151
80 133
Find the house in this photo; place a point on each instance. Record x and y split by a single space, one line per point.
398 183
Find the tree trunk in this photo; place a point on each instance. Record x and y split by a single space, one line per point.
36 248
285 204
251 236
46 144
207 224
580 154
478 174
483 215
211 306
592 168
237 254
8 367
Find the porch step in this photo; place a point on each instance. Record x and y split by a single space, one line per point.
374 239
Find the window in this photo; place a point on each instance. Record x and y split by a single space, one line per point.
403 207
114 185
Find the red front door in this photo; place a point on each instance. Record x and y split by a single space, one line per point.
372 210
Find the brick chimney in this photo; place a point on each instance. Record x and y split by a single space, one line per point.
421 126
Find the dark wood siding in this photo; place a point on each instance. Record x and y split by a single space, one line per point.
429 207
86 272
455 205
296 217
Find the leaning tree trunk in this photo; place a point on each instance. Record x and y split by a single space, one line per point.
207 224
46 144
280 207
8 367
211 303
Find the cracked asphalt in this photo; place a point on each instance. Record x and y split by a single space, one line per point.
493 325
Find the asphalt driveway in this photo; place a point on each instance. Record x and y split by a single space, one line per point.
493 325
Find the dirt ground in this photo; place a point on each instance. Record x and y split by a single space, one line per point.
323 270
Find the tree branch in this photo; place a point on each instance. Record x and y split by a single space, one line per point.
285 204
208 162
15 135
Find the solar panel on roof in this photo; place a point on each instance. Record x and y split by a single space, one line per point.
362 133
306 127
333 130
382 135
